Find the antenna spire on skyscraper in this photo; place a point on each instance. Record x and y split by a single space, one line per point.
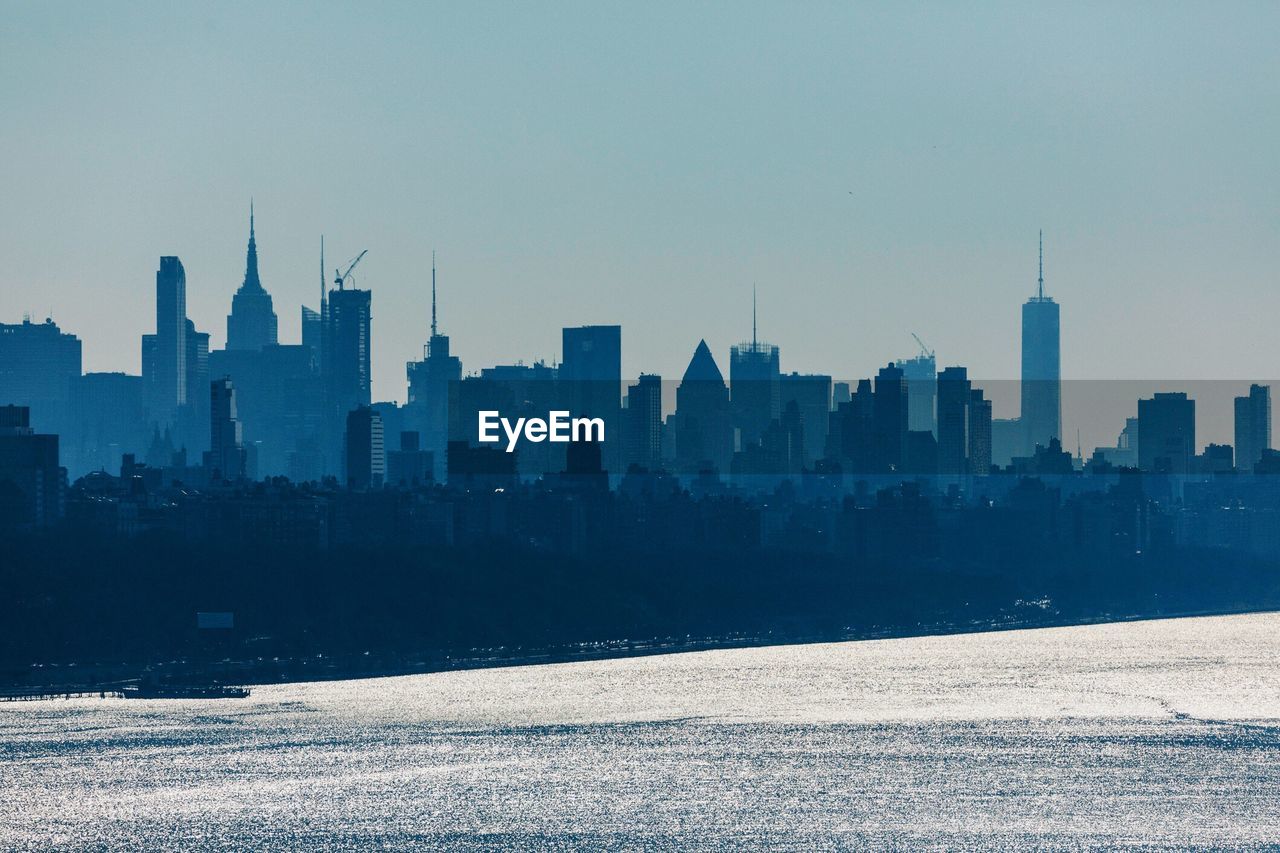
1042 263
251 280
322 297
433 293
753 316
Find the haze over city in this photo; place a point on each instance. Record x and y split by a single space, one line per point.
876 171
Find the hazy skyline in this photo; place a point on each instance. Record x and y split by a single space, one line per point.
876 170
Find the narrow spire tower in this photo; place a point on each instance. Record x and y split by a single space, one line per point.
1041 367
433 293
251 280
251 325
753 316
1041 292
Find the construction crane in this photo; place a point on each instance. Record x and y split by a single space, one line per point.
340 279
924 350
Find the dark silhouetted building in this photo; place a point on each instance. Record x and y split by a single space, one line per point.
850 442
1166 433
921 374
108 422
753 389
32 484
38 364
429 384
1008 440
703 435
979 433
164 354
1252 426
840 393
366 461
346 360
954 394
643 420
226 458
1041 367
252 323
1216 459
410 465
279 400
591 374
920 453
313 333
486 466
811 392
889 420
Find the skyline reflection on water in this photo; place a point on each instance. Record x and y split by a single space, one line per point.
1159 733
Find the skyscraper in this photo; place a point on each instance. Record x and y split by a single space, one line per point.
753 385
1166 433
252 323
851 440
225 460
38 364
1252 426
702 431
164 354
979 433
366 461
32 483
192 429
346 359
591 374
643 438
1041 367
921 373
954 394
811 392
108 412
429 388
889 420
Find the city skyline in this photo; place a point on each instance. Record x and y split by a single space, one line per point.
889 175
1088 419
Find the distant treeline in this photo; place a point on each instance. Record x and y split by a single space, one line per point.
109 600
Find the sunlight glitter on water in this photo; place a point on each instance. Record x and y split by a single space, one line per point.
1163 732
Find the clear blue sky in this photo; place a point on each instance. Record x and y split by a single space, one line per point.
876 169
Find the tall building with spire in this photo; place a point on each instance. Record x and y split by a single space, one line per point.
754 391
429 381
1041 367
252 323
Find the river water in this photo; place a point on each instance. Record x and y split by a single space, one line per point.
1148 733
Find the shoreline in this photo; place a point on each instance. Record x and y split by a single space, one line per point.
343 667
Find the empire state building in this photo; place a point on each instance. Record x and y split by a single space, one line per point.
251 325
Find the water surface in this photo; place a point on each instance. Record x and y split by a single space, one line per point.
1150 733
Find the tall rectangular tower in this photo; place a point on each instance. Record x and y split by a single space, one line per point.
591 376
1041 367
954 395
164 354
1252 426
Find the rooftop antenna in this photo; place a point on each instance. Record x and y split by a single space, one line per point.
753 317
1042 263
322 298
433 293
